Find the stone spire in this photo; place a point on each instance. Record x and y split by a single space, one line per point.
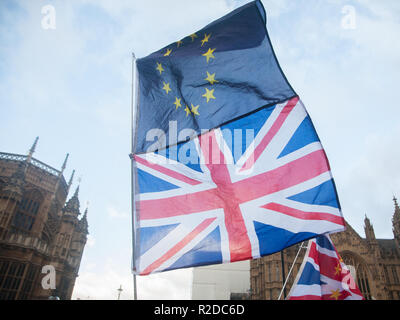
85 214
15 186
76 192
32 150
396 207
71 180
83 223
64 165
72 206
369 229
17 179
396 221
25 165
53 206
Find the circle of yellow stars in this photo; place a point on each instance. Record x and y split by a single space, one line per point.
210 77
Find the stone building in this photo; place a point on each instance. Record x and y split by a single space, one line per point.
38 228
374 263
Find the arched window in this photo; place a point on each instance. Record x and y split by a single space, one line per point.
27 211
361 273
363 283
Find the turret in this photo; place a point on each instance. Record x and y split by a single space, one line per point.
79 239
369 230
83 226
69 222
53 203
72 206
371 239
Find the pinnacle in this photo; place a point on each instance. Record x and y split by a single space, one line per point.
396 207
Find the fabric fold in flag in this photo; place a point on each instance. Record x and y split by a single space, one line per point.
323 275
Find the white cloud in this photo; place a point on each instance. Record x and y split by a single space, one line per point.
116 213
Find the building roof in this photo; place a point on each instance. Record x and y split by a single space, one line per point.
387 244
19 158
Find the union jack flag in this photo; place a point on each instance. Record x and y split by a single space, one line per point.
231 203
323 275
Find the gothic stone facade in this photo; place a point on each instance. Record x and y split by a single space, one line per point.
37 228
376 263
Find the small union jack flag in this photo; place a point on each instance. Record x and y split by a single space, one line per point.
323 275
228 195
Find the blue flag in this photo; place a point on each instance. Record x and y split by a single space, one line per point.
222 72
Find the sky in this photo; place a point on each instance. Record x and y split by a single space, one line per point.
68 81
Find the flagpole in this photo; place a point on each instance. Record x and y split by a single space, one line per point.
133 203
290 271
283 275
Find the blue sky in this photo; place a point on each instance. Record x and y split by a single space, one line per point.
71 87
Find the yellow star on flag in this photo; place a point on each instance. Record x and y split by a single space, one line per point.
168 52
187 111
209 54
193 35
209 94
338 269
206 37
177 103
335 294
166 87
159 67
195 109
179 43
211 78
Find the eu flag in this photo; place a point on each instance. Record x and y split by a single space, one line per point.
224 71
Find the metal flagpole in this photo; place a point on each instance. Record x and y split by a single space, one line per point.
290 271
283 274
133 184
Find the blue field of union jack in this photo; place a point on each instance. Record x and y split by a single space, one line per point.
231 203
